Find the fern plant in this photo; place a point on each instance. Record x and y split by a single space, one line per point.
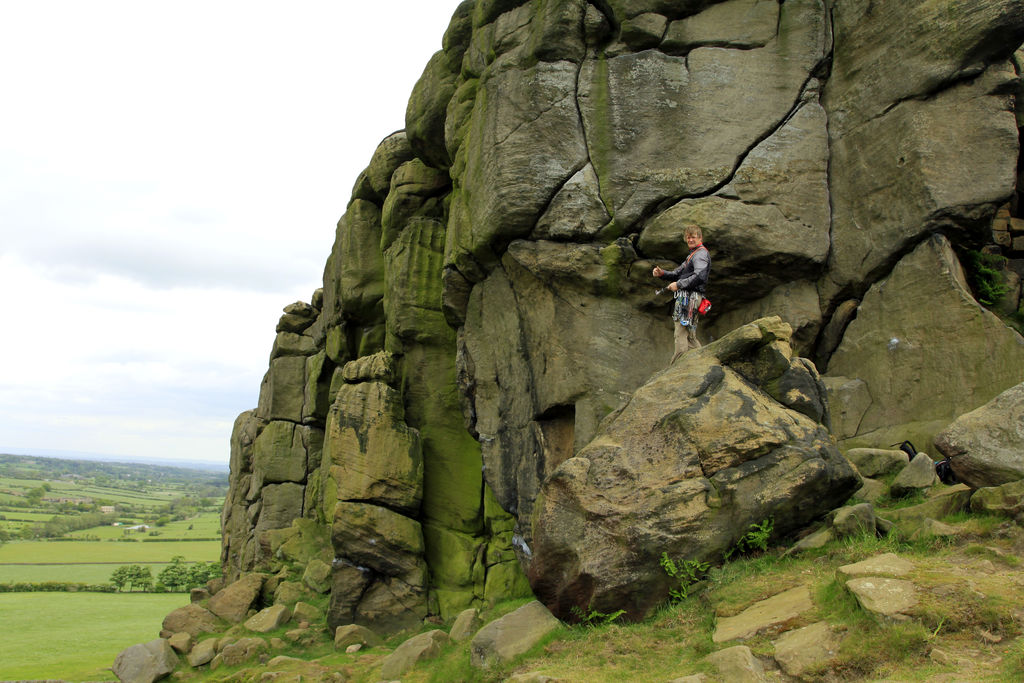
592 617
756 538
987 276
685 572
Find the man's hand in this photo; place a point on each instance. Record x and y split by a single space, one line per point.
657 272
673 287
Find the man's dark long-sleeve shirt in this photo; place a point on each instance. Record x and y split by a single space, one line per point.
692 274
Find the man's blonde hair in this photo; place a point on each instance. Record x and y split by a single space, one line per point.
693 230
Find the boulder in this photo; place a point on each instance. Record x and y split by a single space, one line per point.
181 642
986 445
921 376
269 619
466 625
918 475
303 611
854 520
871 490
146 662
737 664
424 646
242 650
351 634
888 599
317 576
876 462
233 602
202 652
716 452
511 635
944 502
1007 499
816 539
290 592
192 619
807 649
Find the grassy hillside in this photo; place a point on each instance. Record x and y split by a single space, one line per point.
76 636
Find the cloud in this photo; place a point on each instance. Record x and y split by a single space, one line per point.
170 177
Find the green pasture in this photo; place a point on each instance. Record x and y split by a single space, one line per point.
70 573
32 517
95 552
76 636
205 525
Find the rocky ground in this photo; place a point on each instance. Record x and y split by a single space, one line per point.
924 586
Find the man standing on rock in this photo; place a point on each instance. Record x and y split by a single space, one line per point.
689 281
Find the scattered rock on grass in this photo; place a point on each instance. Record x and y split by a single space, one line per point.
424 646
466 625
232 603
242 650
775 610
737 665
181 642
884 597
269 619
203 652
146 662
1007 499
350 634
808 648
888 564
512 634
192 619
854 520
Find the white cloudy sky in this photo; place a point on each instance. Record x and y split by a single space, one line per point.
170 178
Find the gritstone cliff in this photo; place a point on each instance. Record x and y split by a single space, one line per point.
487 329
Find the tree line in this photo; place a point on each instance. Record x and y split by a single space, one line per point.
177 577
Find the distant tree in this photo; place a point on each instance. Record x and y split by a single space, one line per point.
163 520
121 577
175 576
132 576
201 572
142 577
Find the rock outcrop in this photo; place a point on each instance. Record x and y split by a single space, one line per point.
731 437
488 321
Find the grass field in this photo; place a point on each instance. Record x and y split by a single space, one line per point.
95 552
69 573
76 636
205 525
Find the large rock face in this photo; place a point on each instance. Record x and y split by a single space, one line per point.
925 348
488 299
729 436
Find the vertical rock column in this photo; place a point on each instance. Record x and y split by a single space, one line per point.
372 497
275 447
